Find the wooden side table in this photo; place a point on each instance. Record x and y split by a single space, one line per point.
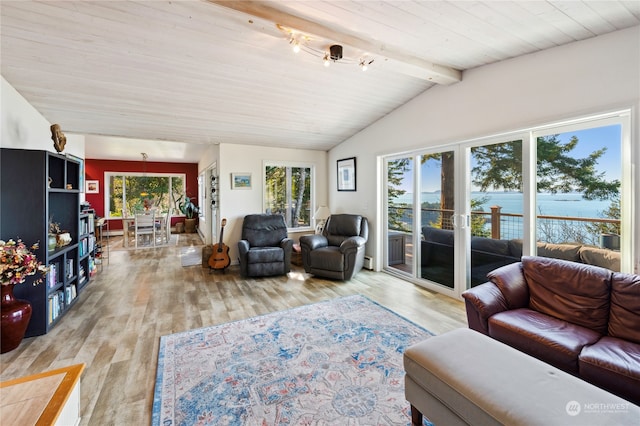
296 255
50 398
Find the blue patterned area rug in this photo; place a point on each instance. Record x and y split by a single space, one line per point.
330 363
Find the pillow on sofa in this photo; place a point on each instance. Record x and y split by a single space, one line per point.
437 235
560 251
570 291
515 248
625 307
600 257
500 247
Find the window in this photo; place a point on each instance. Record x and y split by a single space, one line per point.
127 193
287 191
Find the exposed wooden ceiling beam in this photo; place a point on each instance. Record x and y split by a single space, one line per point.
412 65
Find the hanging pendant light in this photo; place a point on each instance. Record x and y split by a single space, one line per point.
144 192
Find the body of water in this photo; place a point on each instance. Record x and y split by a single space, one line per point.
571 205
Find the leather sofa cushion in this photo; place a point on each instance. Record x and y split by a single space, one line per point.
600 257
344 224
549 339
263 230
624 317
265 255
613 364
569 291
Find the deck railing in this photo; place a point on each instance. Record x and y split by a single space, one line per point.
498 225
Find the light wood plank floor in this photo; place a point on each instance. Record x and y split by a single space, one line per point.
116 324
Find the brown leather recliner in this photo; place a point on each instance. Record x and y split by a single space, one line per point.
338 252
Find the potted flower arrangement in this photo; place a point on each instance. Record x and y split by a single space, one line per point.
190 212
17 262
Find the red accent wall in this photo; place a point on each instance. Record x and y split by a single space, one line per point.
95 169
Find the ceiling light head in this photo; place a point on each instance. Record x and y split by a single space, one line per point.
336 52
295 44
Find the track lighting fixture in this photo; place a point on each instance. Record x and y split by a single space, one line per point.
323 49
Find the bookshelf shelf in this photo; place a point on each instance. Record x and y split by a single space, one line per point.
38 187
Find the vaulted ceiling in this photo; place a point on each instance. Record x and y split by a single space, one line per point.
206 72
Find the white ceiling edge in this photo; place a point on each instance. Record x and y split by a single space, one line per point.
116 148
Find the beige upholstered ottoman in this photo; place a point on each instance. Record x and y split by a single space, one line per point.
466 378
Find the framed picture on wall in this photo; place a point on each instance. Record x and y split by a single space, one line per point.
347 174
92 187
240 180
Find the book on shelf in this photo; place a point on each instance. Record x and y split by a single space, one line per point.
52 275
70 268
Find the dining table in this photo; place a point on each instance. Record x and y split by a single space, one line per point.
129 223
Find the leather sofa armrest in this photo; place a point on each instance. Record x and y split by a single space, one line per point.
312 242
352 243
512 284
286 243
243 247
481 303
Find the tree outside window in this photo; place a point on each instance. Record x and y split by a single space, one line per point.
288 192
130 193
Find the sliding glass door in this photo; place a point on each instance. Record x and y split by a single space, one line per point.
454 215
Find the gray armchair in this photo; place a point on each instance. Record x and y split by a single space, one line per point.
338 252
265 248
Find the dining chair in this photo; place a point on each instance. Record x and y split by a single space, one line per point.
145 226
163 227
167 226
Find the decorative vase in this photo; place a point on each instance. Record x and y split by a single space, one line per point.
15 319
52 242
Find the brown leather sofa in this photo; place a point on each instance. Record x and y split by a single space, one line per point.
580 318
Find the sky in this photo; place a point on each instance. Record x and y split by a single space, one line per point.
589 141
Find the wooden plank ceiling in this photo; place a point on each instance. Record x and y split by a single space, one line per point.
205 72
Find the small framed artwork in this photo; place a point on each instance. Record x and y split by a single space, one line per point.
240 180
92 187
347 174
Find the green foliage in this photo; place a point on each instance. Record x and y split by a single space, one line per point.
188 209
499 167
612 212
478 221
396 211
288 192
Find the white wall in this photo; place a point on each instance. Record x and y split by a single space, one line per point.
587 77
235 204
25 128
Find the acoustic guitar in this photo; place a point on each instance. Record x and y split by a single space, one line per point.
219 259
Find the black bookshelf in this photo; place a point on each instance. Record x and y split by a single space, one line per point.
36 187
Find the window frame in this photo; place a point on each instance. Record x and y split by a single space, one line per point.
312 189
107 188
